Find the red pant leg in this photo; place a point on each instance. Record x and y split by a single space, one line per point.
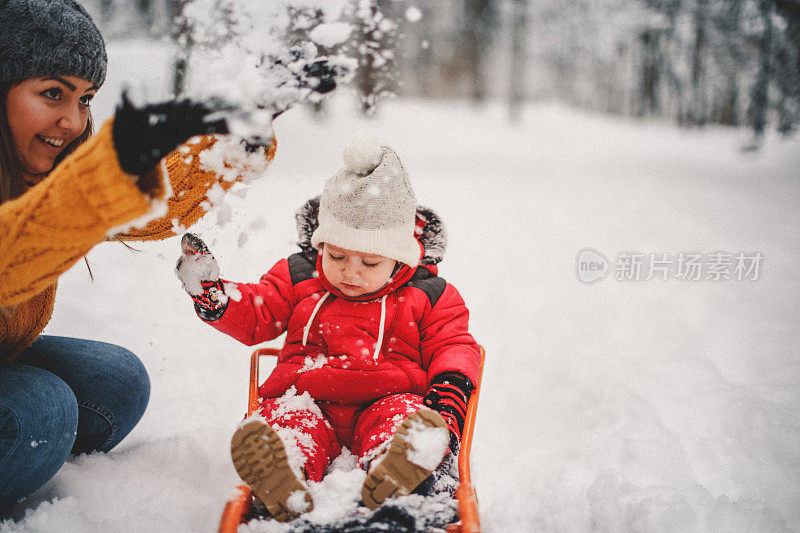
378 423
307 435
343 418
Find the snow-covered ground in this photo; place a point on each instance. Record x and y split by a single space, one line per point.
613 406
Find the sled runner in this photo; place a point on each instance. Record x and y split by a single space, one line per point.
238 508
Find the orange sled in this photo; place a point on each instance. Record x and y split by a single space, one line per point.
239 505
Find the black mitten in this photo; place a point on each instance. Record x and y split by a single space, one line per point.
449 393
321 76
210 305
144 135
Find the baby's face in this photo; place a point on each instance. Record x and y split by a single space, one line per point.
355 273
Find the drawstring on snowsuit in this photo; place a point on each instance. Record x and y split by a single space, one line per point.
378 344
313 314
380 334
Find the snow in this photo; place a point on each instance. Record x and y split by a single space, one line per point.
232 291
294 441
339 492
238 47
313 364
428 445
291 402
196 268
228 158
297 502
638 405
413 14
330 34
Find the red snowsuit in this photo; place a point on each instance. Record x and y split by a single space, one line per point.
363 390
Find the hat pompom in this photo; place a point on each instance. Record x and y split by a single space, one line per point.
362 154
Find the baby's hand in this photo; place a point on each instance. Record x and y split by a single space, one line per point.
449 393
199 272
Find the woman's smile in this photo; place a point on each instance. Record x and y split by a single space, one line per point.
52 141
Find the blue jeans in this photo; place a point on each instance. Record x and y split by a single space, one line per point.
61 396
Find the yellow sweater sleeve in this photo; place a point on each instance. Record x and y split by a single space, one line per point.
47 229
190 182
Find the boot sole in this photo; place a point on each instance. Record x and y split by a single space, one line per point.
396 475
259 457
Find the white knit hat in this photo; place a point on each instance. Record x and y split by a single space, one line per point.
369 206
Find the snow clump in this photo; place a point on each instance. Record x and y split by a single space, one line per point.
291 402
428 444
413 14
194 269
313 364
229 159
330 34
297 502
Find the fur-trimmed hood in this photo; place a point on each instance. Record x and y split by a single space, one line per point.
430 231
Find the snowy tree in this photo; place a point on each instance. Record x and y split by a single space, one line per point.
516 90
125 18
375 40
263 54
730 55
732 62
180 32
302 20
787 65
759 100
480 17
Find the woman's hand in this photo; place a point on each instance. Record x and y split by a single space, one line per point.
144 135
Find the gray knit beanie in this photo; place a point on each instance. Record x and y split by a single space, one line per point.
369 206
49 38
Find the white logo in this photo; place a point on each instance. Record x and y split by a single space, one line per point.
591 265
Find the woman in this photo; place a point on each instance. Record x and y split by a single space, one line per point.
62 191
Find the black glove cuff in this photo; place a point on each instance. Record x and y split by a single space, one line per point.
449 394
455 378
210 315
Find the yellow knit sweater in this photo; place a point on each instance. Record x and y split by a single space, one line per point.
55 223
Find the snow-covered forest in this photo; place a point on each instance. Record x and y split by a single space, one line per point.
650 398
693 62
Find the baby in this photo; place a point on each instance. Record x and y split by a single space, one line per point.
377 356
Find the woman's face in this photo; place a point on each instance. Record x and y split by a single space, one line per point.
46 114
